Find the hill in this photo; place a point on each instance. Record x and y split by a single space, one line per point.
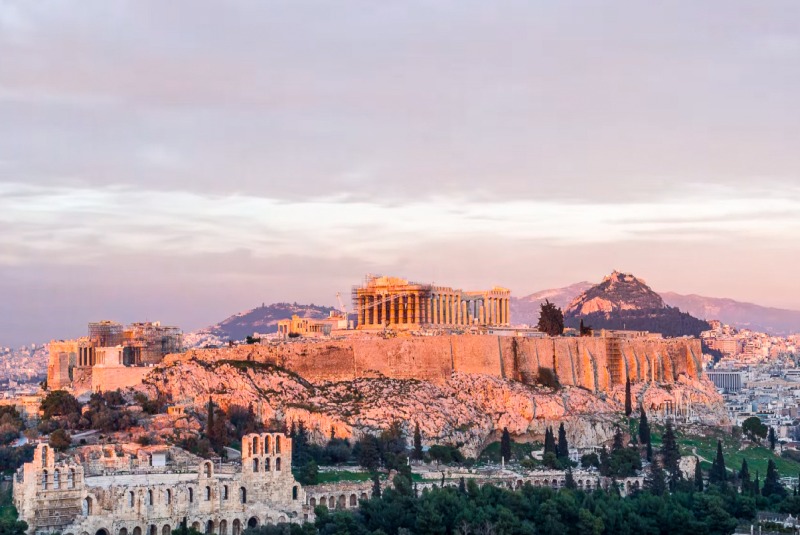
623 301
526 309
261 320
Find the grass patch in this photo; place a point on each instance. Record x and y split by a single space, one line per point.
519 451
337 477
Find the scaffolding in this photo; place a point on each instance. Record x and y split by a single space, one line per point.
105 333
614 353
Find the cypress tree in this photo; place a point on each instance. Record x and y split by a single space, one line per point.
210 419
744 477
505 445
550 442
462 486
628 406
605 462
671 455
756 486
618 444
772 440
644 428
772 483
649 452
563 445
569 480
698 475
718 474
376 485
417 443
656 481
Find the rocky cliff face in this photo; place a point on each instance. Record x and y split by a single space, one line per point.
465 409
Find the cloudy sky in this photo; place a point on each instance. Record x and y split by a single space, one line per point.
185 160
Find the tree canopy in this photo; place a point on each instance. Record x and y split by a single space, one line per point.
551 319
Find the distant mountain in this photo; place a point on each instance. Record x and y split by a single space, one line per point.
261 320
623 301
741 315
526 309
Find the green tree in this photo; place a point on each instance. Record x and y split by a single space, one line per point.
754 429
644 428
718 474
671 455
417 455
551 319
569 480
369 455
376 485
698 475
655 481
618 444
563 445
505 445
308 474
59 403
628 405
744 478
772 438
60 440
585 330
772 482
550 442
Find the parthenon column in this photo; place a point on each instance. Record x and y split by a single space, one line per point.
361 309
508 311
416 309
385 309
435 308
392 313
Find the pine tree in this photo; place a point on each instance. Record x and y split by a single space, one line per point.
551 319
376 485
563 445
656 481
550 442
628 406
644 428
772 482
698 475
744 477
671 455
772 440
417 443
505 445
718 474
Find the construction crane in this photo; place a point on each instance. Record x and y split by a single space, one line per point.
341 304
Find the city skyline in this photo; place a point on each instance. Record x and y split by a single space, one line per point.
162 162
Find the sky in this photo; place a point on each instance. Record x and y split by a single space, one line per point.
182 161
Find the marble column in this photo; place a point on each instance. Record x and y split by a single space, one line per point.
392 309
416 309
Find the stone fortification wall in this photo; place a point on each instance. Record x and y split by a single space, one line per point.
585 362
105 379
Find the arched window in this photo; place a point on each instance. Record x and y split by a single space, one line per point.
44 479
57 479
242 495
236 527
153 530
266 464
278 464
208 494
150 502
225 492
168 496
353 500
294 492
166 530
208 469
313 502
278 443
255 464
71 478
255 446
44 456
268 445
130 498
223 527
331 503
86 506
191 495
210 527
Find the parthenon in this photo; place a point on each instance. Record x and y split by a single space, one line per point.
391 302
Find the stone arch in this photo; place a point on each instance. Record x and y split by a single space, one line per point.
278 444
312 502
191 495
150 502
266 465
44 456
86 506
130 498
278 464
331 503
294 492
44 479
57 479
353 500
223 527
208 493
153 530
555 484
281 519
225 492
168 496
519 484
236 527
364 496
268 521
255 464
137 531
123 531
208 468
256 451
196 526
268 445
71 478
101 531
165 530
253 522
242 495
209 527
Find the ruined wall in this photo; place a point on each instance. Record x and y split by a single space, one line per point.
577 361
105 379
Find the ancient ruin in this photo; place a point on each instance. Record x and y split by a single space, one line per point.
395 303
98 490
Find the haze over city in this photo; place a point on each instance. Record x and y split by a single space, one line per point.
186 160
